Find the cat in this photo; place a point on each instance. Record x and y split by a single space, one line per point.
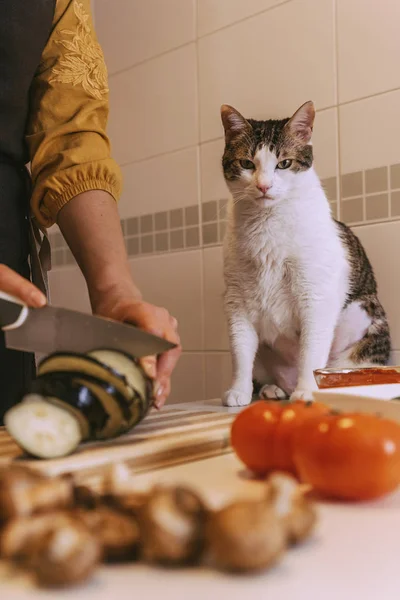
300 292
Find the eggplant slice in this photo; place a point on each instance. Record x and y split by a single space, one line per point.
68 362
43 429
127 366
77 398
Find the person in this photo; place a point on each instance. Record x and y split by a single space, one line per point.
53 115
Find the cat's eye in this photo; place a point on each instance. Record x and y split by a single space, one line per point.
284 164
247 164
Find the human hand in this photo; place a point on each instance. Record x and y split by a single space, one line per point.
155 320
12 283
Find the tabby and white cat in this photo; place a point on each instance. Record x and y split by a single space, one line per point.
300 291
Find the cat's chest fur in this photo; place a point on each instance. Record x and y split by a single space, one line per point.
272 261
264 256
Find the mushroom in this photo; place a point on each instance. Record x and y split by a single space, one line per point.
20 536
67 554
24 492
121 490
245 536
290 503
172 526
118 533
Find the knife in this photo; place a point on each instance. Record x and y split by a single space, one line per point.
52 329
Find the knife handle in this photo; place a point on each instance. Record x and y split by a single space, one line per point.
13 312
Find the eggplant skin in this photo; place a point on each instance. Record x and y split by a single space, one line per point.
70 362
63 387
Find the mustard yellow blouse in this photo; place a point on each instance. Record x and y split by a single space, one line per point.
66 130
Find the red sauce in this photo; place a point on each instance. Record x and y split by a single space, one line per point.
370 376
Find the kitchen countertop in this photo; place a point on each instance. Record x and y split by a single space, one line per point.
354 553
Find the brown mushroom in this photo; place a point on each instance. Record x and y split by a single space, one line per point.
66 555
118 533
291 504
25 492
245 536
20 535
172 526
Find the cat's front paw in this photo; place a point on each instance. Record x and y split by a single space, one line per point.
236 398
272 392
305 395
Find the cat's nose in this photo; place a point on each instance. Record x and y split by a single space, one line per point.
263 188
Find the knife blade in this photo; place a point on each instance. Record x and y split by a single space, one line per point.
52 329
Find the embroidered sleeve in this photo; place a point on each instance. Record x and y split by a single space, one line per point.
66 130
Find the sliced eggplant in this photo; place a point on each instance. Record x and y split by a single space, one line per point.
43 429
85 365
128 367
64 391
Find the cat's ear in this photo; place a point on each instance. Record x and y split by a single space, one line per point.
300 125
233 122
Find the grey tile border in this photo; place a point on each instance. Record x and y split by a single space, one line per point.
192 237
361 201
352 210
176 239
330 187
147 244
133 246
395 177
176 218
352 184
162 242
377 207
68 257
161 221
395 204
58 257
209 211
210 233
146 224
132 226
191 215
376 180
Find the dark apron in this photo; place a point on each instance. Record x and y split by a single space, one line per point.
24 30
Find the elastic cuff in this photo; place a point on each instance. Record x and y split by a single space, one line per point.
55 202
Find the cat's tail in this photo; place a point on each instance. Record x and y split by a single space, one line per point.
374 348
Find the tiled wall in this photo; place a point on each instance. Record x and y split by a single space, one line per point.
172 63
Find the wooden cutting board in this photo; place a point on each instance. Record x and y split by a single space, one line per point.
165 438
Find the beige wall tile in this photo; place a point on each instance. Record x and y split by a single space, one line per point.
218 374
68 289
377 207
188 379
174 281
213 186
216 336
154 106
165 182
325 146
369 133
214 14
351 211
368 47
131 31
268 65
382 243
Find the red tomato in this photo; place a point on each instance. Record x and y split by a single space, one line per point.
262 433
349 456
